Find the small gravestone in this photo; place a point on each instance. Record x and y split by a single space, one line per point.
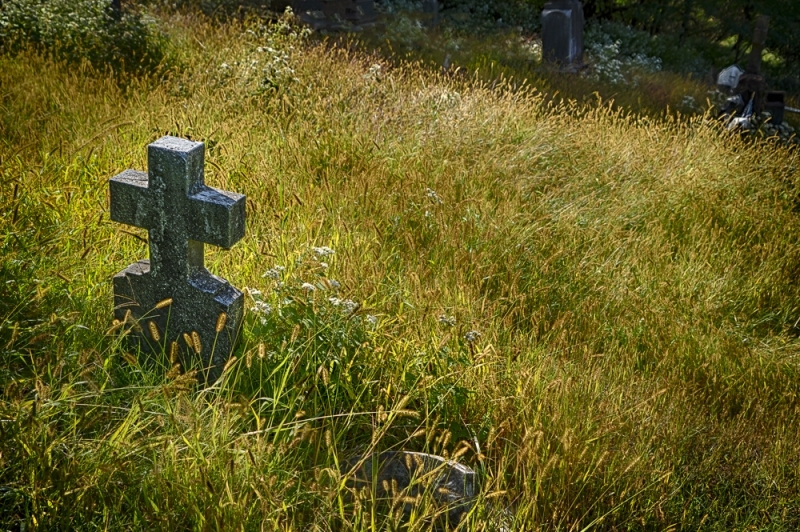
562 33
407 474
171 304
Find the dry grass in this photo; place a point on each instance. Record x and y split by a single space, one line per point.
634 283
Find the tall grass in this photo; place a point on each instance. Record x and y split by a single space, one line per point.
632 281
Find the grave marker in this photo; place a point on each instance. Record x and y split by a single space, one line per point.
171 303
562 33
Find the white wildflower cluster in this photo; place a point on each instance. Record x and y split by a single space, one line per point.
472 336
348 306
531 47
260 307
322 252
269 64
433 196
613 64
308 287
375 73
450 321
274 273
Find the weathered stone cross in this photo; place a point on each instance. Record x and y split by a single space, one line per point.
171 302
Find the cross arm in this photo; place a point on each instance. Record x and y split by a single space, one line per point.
216 217
131 199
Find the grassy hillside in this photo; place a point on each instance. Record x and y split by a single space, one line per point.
597 312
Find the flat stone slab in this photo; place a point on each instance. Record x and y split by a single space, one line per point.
170 305
451 485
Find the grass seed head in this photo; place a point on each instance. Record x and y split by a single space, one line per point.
228 364
174 371
164 303
221 319
154 331
173 352
196 345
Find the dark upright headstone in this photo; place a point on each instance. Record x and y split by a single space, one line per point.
171 304
562 32
775 104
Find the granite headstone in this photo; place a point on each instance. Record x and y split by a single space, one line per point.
452 486
562 32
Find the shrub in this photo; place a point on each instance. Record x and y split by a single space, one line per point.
83 30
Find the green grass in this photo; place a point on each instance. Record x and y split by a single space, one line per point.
633 280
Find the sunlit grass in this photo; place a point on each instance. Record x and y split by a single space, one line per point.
633 281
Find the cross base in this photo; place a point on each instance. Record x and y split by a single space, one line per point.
191 321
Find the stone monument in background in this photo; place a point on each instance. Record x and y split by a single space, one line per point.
171 306
751 84
562 33
335 14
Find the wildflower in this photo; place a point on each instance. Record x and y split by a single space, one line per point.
274 273
447 320
308 287
334 284
323 251
433 196
472 336
262 307
372 320
348 305
324 265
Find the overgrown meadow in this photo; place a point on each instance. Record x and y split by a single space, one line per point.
597 312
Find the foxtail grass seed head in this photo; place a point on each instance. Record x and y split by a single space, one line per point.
262 350
154 330
130 359
461 452
228 364
173 352
446 438
221 319
188 340
196 345
328 438
174 371
249 359
164 303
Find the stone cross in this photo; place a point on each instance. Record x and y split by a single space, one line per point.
562 33
171 305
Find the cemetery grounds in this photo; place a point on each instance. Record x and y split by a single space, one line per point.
596 311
